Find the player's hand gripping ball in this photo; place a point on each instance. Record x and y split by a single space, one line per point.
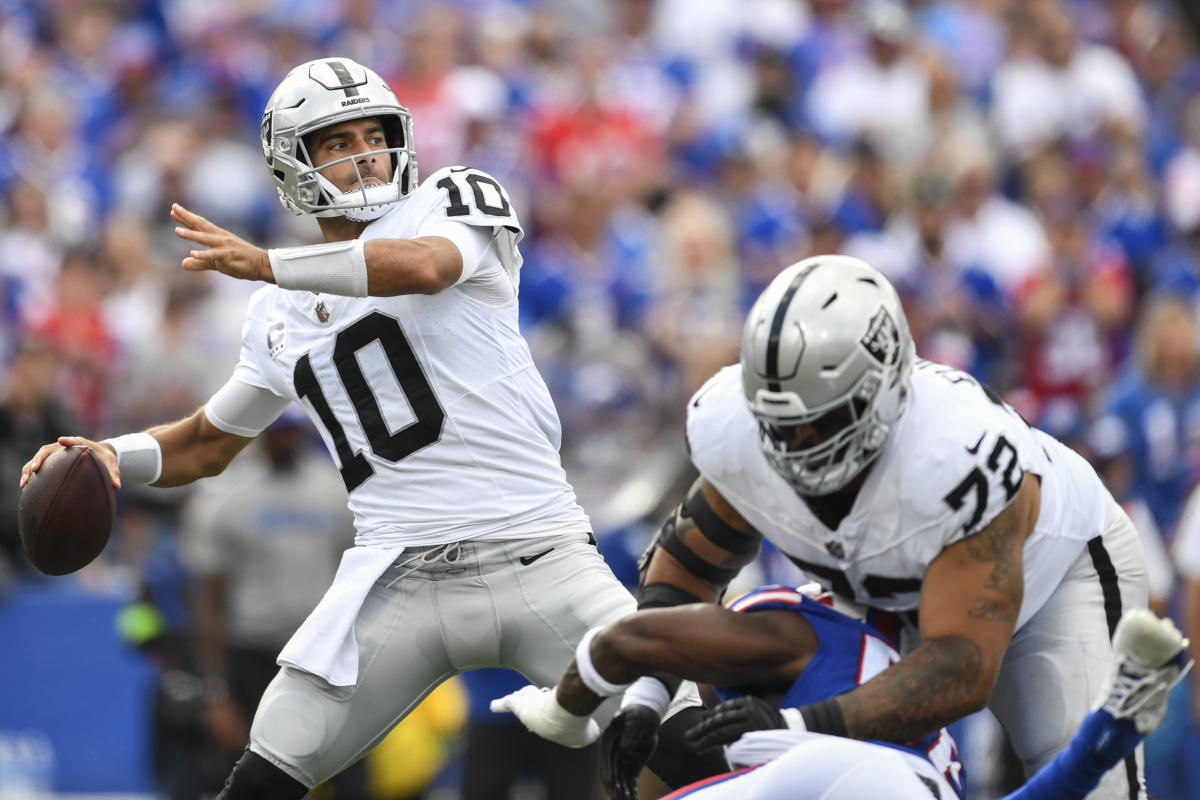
67 511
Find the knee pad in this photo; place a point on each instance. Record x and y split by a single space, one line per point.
255 778
290 724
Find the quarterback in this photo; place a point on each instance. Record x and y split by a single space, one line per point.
904 485
398 335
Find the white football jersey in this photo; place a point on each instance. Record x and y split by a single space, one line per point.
430 404
950 465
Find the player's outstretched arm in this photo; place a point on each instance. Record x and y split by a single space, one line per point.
698 642
354 268
970 598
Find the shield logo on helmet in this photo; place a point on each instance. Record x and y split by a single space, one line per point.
882 339
265 133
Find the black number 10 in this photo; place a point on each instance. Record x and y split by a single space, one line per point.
422 432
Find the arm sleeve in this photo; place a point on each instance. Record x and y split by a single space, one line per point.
243 409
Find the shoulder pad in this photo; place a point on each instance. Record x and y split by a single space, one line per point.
472 196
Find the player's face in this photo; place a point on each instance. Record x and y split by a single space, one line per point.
796 438
358 142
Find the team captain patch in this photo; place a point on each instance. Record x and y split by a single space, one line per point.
882 340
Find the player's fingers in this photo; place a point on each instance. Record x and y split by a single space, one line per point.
190 219
105 455
208 238
34 464
509 702
711 732
194 262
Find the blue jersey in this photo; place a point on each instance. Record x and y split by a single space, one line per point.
1158 430
849 653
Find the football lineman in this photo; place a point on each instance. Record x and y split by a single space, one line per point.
907 486
783 647
398 335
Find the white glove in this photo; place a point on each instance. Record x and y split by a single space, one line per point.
538 710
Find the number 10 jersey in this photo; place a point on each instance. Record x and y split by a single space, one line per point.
950 465
430 404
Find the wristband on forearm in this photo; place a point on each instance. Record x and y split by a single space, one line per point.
139 457
587 670
333 268
649 692
823 717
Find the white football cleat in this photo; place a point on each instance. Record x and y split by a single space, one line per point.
1149 657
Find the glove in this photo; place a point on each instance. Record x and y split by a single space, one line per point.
728 721
539 711
625 748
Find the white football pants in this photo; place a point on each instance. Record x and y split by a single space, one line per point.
415 630
1057 663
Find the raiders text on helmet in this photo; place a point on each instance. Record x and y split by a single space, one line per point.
826 356
326 92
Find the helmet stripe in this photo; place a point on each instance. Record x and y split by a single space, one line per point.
772 365
343 75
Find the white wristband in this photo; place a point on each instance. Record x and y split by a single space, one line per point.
650 692
793 718
333 268
139 457
587 671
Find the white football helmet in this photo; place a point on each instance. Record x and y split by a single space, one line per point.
326 92
826 357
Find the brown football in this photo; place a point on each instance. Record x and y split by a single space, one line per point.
67 511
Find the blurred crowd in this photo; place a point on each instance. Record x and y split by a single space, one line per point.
1026 171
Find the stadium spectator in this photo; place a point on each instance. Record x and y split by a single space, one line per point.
1156 402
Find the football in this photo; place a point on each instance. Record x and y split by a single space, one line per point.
67 511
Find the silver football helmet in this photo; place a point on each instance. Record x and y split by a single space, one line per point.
326 92
826 357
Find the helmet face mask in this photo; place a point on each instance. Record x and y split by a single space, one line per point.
317 95
826 356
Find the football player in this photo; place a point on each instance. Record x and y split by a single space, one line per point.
798 646
769 652
398 335
907 486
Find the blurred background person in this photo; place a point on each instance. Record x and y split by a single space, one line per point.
30 410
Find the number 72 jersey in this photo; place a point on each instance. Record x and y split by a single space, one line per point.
431 405
950 465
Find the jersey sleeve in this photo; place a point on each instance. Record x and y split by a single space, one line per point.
716 417
472 242
472 197
247 404
977 451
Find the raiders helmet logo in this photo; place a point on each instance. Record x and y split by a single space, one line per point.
882 339
275 339
265 133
